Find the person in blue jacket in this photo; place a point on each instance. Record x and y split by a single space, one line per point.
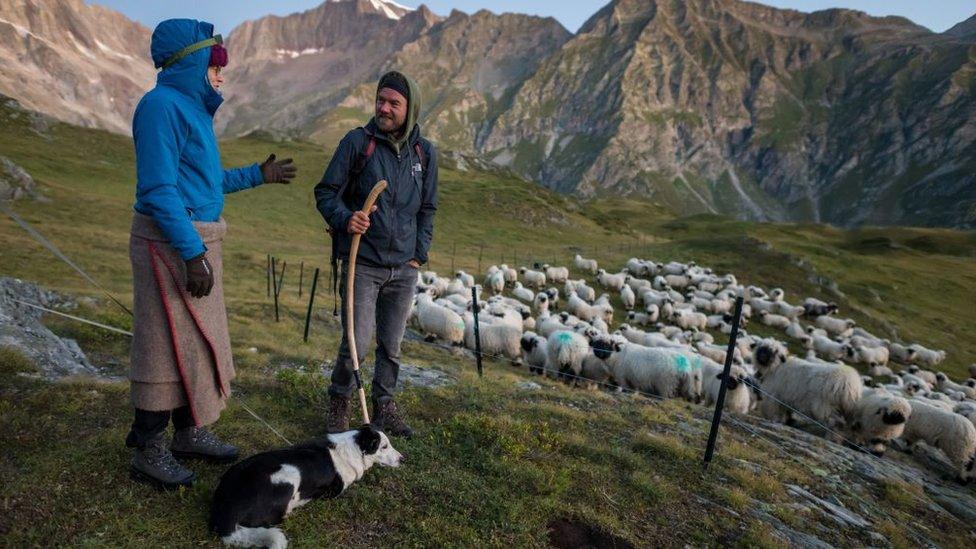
181 360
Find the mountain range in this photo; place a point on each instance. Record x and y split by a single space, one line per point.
702 105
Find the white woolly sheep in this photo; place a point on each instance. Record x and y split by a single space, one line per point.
900 353
541 302
839 327
536 279
566 350
436 321
534 352
826 393
587 265
813 307
947 431
667 373
648 339
465 278
496 282
556 275
523 293
553 294
509 273
796 331
878 418
828 349
497 338
872 356
787 310
927 375
738 397
689 319
611 281
928 357
945 384
718 352
776 294
627 297
774 321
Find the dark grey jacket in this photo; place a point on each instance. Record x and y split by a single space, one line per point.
402 227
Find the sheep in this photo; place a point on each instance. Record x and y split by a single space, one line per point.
510 275
648 339
637 284
496 282
549 324
437 321
823 392
649 316
534 351
689 319
496 338
796 331
536 279
945 384
556 274
813 307
553 294
587 265
566 350
666 373
927 357
900 353
787 310
947 431
628 298
523 293
677 281
588 312
700 304
946 405
636 266
878 418
465 278
722 306
776 294
920 382
611 281
966 410
446 302
927 375
829 349
872 356
839 327
774 321
718 352
595 368
455 287
674 268
738 398
759 304
541 302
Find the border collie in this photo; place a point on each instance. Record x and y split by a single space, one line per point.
259 492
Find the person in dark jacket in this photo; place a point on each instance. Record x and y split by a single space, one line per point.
181 357
396 238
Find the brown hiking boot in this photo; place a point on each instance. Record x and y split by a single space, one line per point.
337 418
389 419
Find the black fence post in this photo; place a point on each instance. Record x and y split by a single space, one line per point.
281 279
274 282
311 300
477 336
268 273
720 402
301 276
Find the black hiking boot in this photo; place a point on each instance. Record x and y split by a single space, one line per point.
337 417
389 419
199 443
154 464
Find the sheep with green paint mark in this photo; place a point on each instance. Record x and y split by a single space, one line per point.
664 372
566 350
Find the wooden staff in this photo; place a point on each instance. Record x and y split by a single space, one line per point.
351 296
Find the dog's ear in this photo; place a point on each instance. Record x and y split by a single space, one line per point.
368 439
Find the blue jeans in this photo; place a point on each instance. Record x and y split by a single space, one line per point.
382 304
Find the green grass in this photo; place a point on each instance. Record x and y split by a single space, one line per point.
494 465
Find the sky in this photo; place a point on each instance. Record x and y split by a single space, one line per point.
937 15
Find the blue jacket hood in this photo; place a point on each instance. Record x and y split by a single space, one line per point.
189 74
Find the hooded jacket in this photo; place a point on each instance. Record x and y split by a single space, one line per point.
402 227
179 177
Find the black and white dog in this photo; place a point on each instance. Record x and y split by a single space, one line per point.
259 492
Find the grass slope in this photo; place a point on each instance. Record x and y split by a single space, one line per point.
495 465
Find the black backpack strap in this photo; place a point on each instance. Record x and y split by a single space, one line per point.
362 159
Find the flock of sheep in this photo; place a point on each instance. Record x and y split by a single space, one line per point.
560 327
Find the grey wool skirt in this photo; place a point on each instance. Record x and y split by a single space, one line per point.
181 353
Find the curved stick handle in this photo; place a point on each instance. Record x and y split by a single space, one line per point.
374 194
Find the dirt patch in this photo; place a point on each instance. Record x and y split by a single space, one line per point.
567 533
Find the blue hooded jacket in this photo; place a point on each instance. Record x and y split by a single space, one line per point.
179 178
